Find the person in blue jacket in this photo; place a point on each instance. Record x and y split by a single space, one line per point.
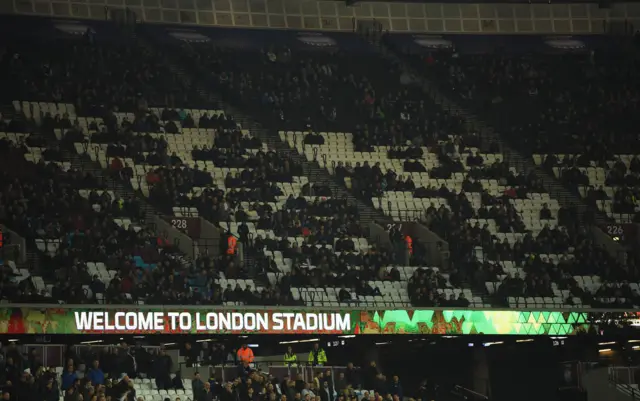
68 377
95 374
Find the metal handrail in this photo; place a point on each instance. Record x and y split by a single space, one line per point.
303 368
463 391
627 388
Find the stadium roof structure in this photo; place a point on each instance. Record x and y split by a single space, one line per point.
461 16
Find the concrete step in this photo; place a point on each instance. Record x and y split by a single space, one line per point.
34 261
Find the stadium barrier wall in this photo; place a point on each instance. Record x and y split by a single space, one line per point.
175 237
211 235
614 248
379 235
437 248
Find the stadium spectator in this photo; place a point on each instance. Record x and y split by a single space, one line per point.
191 354
197 385
123 389
396 388
327 392
95 374
162 369
307 391
207 395
69 377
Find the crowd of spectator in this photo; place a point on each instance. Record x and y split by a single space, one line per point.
171 185
319 91
91 374
298 89
623 180
114 373
541 104
369 181
106 72
40 198
544 99
41 201
252 383
423 289
256 182
372 108
101 75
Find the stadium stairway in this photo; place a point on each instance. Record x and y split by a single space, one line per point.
316 174
488 135
32 259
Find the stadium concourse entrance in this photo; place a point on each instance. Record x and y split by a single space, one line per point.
460 367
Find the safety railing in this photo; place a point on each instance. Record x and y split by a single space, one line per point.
276 368
625 380
463 393
624 374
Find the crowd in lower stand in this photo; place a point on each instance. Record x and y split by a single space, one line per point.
152 373
88 158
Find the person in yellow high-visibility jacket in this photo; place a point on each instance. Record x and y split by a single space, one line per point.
290 358
317 356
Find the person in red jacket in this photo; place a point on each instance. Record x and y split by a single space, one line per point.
511 193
